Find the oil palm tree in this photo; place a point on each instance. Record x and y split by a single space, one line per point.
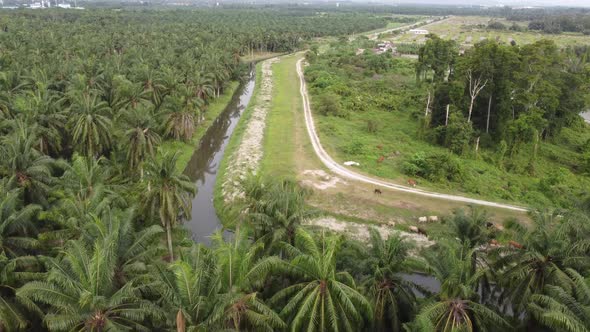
188 287
135 250
242 269
276 209
14 272
168 194
564 308
543 259
46 112
202 85
79 294
90 124
392 296
322 299
17 231
181 116
457 306
25 167
141 138
84 175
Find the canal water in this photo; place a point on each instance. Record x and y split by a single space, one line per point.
204 164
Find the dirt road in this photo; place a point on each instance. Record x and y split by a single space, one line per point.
350 174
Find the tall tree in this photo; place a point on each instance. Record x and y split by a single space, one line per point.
168 195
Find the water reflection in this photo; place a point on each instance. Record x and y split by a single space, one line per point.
204 164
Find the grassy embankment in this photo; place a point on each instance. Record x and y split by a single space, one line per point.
233 144
279 139
186 149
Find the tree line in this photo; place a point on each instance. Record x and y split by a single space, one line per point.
505 93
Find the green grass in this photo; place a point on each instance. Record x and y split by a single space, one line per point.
186 149
233 144
279 141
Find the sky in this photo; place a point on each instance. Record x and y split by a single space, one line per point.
577 3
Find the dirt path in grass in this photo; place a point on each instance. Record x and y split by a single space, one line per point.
352 175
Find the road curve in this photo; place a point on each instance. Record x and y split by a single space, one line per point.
350 174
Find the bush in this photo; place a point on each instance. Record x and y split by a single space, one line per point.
495 25
437 167
354 148
372 126
329 104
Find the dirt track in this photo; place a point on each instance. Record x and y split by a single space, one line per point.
350 174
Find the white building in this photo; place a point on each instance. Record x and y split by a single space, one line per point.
419 31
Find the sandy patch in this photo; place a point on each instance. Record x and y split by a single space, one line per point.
320 179
246 158
361 231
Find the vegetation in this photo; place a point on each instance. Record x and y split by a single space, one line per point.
91 202
510 133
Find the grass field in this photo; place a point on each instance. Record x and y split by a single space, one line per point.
186 149
466 30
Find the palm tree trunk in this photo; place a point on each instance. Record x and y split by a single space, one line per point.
169 239
180 322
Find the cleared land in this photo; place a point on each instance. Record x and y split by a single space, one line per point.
468 30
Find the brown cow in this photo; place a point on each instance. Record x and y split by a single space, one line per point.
422 231
412 182
377 191
380 160
515 245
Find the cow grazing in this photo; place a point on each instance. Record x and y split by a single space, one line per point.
413 229
515 245
422 231
380 160
412 182
377 191
422 220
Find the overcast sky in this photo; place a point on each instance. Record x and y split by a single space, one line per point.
581 3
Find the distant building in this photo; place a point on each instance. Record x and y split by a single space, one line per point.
64 5
419 31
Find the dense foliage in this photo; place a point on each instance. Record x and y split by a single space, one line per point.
90 203
499 120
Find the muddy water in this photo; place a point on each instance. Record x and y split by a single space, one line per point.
204 164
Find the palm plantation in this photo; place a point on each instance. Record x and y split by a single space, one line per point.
94 105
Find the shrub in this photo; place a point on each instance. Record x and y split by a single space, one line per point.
437 167
354 148
372 126
329 104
